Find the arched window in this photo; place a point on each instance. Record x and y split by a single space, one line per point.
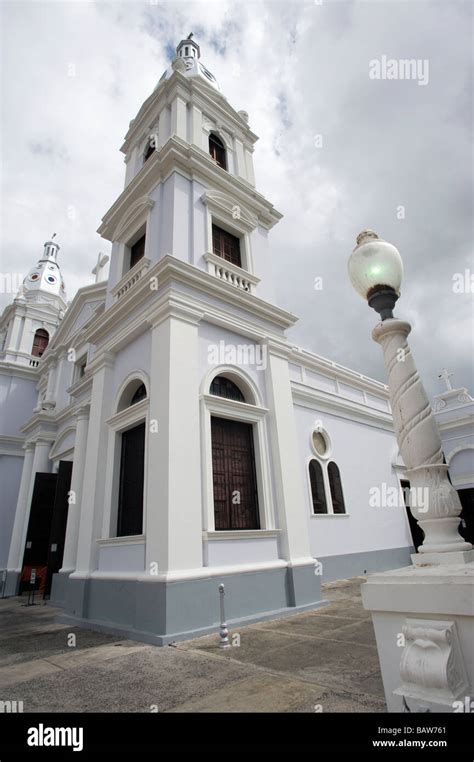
139 395
224 387
336 488
317 487
149 150
40 342
217 150
131 481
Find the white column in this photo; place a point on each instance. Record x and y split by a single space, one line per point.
240 166
179 118
77 480
14 338
92 501
15 555
196 122
286 459
173 492
26 342
49 400
40 464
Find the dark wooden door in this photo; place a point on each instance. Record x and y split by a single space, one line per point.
39 526
132 469
58 522
233 469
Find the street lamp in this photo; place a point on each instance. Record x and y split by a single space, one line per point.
376 271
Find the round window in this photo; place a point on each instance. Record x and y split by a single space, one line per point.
34 276
319 443
51 279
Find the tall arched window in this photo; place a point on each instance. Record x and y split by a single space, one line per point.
132 467
233 465
40 342
336 488
317 487
217 150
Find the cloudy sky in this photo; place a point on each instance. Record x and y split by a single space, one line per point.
338 151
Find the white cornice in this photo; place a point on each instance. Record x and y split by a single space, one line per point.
170 270
315 399
194 163
11 369
331 369
188 90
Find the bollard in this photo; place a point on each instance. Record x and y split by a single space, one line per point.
223 632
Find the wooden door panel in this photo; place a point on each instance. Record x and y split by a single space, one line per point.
234 479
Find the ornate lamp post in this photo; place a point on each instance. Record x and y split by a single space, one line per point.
376 271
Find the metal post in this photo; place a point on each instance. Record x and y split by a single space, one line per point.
223 632
31 591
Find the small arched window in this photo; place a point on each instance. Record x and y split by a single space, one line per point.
40 342
217 150
139 395
317 487
224 387
149 150
336 488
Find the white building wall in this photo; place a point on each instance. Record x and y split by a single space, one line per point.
363 454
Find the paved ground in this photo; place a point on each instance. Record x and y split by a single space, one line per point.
319 661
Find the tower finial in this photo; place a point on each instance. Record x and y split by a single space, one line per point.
190 36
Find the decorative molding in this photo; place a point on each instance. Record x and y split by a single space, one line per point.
135 216
134 375
136 539
125 418
240 534
456 450
226 204
432 667
56 450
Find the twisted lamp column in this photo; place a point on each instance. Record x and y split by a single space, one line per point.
420 443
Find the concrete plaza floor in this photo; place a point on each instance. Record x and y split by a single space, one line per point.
324 660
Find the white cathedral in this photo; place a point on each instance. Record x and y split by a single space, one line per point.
161 435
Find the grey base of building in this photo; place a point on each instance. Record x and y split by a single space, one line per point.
12 583
161 612
358 564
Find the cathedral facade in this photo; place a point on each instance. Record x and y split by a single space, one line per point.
161 435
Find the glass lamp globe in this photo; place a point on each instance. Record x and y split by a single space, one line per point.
376 271
375 265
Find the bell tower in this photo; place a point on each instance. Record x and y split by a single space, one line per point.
190 186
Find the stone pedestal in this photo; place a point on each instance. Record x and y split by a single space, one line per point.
424 625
